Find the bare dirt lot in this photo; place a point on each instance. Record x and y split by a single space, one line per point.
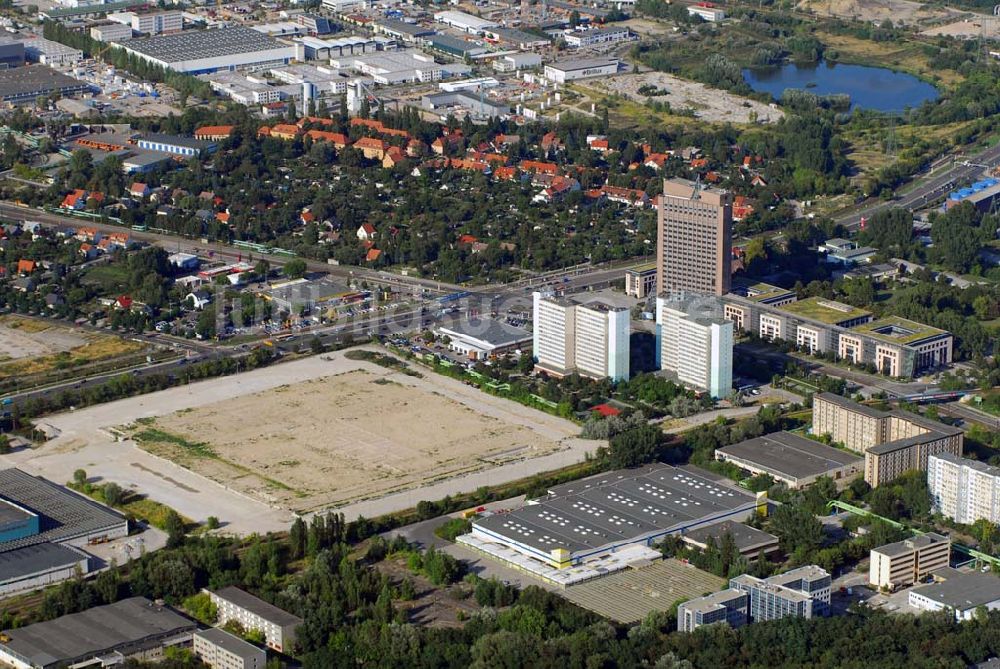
357 435
708 104
31 346
899 12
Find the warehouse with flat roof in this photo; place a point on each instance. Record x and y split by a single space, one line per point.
484 339
23 85
791 459
128 628
203 51
610 512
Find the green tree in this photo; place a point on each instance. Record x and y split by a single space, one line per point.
295 268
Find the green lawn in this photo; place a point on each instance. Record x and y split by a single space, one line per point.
112 278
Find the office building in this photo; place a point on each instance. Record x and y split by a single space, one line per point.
608 513
221 650
133 628
111 32
793 460
801 593
641 281
158 23
588 339
963 490
728 606
893 442
205 51
693 239
695 343
895 346
710 14
253 613
909 561
562 71
959 592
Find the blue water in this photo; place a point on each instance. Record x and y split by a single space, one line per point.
869 87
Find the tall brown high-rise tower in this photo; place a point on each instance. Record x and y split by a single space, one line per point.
694 245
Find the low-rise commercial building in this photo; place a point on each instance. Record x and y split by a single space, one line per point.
894 346
11 52
893 442
795 461
598 36
589 339
47 52
800 593
485 339
465 22
640 282
133 628
960 592
221 650
570 70
695 343
729 606
465 102
909 561
749 541
393 67
710 14
175 145
254 613
963 490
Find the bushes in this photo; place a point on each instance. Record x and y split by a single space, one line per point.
453 527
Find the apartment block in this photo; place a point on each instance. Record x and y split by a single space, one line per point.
893 442
909 561
802 593
254 613
694 239
221 650
963 490
728 606
695 343
588 339
895 346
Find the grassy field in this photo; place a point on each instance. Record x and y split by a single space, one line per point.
110 277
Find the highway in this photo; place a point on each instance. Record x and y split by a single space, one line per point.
929 187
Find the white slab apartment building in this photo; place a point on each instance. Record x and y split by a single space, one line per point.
962 489
589 339
695 343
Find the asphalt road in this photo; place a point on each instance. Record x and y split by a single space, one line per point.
929 188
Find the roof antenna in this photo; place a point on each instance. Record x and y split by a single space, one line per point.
696 193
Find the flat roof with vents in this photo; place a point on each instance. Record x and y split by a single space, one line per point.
616 509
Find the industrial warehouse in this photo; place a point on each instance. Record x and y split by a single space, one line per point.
42 526
204 51
604 523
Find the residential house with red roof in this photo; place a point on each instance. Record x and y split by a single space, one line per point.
25 267
75 200
367 232
138 189
339 140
